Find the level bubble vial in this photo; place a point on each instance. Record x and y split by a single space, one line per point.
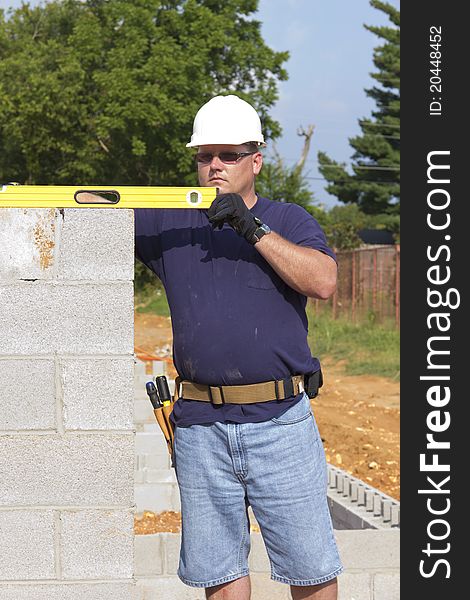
194 197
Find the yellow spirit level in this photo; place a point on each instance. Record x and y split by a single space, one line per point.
102 196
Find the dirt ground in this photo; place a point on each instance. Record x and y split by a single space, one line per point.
358 418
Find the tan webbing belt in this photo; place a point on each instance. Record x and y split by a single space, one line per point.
240 394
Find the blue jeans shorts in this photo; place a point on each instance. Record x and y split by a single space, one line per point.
276 466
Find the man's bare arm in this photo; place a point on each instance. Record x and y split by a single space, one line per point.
306 270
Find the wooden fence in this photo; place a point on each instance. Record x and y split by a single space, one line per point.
368 285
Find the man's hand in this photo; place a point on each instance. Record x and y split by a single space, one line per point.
231 209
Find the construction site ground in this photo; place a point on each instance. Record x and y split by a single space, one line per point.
358 418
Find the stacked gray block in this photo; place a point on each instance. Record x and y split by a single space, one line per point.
356 505
66 391
370 558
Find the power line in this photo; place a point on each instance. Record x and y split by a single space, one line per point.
380 79
388 137
359 134
305 117
354 166
363 167
378 124
362 181
368 168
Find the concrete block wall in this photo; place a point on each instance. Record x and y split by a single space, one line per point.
66 397
370 558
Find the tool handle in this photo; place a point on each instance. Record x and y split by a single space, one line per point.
153 394
163 389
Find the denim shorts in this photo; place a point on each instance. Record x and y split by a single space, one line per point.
276 466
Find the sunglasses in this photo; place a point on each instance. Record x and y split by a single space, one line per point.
228 158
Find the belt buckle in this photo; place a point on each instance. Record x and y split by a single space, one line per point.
219 387
288 387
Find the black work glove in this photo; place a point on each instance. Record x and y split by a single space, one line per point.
231 209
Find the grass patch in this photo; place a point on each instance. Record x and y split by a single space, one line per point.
366 348
152 299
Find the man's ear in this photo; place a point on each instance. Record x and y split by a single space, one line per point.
257 162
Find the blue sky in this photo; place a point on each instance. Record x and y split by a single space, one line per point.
329 66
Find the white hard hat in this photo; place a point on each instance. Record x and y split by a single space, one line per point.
226 120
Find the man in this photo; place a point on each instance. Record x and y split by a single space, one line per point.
237 277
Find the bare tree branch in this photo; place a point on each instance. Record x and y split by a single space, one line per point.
305 150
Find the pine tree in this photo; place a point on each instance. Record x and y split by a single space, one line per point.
374 184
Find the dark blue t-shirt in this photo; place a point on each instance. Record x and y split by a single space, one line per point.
234 319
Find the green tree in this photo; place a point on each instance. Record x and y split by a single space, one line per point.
100 91
281 183
374 184
342 225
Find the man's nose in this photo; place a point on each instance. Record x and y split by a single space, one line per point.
216 163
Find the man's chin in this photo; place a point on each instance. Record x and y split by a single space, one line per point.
222 186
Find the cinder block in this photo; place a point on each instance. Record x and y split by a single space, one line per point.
160 476
169 588
27 394
151 443
98 393
139 477
263 588
252 517
81 470
107 254
354 491
386 586
148 555
140 373
369 548
148 370
259 561
361 495
27 243
149 427
143 411
171 543
159 368
340 482
377 505
140 395
387 510
69 591
26 545
97 544
155 497
175 498
354 586
66 318
160 461
138 594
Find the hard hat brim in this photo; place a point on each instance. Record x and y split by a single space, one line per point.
237 142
